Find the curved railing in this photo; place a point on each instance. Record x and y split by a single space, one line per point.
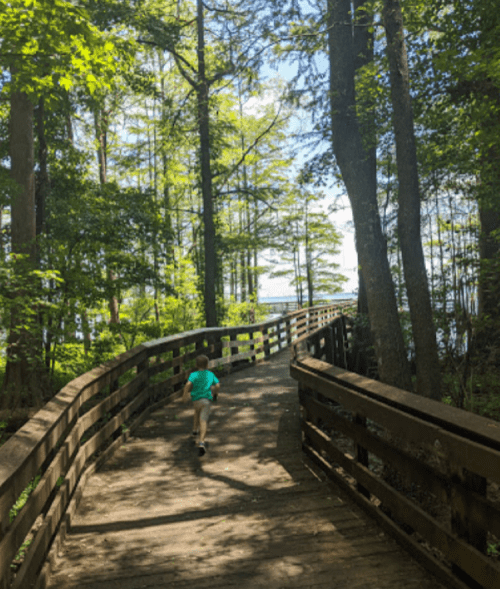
427 472
91 416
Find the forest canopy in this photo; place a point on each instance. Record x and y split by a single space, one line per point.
152 174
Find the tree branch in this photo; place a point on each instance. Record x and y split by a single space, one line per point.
249 149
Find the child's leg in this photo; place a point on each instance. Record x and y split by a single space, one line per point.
196 419
203 430
203 418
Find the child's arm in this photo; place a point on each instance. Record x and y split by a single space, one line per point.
215 391
187 389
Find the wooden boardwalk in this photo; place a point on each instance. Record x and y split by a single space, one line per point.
251 513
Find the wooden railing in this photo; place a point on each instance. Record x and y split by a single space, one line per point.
90 417
427 472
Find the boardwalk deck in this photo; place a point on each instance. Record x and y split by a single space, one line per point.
251 513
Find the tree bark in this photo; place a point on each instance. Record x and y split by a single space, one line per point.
202 93
359 176
424 333
308 255
101 128
21 385
43 181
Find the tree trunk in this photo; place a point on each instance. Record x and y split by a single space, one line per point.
21 383
43 182
359 176
202 93
101 125
308 254
424 333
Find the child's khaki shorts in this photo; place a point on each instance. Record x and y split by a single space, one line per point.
202 406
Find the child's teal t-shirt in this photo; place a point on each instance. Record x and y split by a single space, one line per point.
202 381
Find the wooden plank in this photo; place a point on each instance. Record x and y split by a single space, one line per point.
486 515
475 427
475 457
42 578
167 344
24 453
20 462
113 424
26 518
41 543
475 564
431 563
165 365
88 419
240 356
110 371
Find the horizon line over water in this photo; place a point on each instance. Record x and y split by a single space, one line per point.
292 298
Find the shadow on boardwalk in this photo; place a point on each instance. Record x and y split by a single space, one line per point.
251 513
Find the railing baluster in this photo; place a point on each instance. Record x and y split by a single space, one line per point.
267 347
361 453
177 369
463 521
234 349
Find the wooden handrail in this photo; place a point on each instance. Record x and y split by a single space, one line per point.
409 453
66 440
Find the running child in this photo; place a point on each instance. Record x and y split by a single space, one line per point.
204 387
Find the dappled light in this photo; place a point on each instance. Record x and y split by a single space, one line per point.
252 511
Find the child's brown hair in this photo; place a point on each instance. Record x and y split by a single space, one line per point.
202 362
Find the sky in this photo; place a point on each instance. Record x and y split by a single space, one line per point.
347 259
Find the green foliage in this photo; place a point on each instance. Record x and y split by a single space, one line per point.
53 45
3 426
480 393
244 313
308 243
21 501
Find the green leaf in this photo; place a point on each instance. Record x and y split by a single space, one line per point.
66 83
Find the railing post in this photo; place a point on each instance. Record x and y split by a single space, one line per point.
267 348
214 342
278 335
177 369
361 453
5 572
344 337
304 392
317 346
329 346
288 332
463 521
144 365
234 350
253 357
340 359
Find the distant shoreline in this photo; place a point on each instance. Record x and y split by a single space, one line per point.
291 299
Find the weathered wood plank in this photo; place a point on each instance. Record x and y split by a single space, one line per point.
248 513
470 560
476 428
23 455
475 457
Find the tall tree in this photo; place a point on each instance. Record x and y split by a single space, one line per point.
424 334
43 44
22 370
359 176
